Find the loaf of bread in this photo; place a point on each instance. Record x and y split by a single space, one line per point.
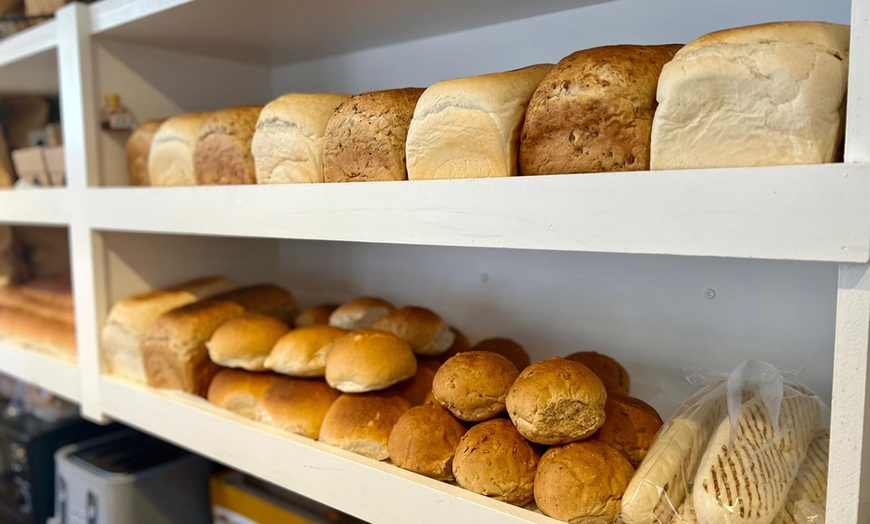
170 162
139 150
473 384
296 405
426 332
470 127
769 94
239 391
223 149
245 342
593 112
810 487
424 441
362 423
288 144
365 137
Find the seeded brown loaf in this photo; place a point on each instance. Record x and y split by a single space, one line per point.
245 342
296 405
473 384
170 162
630 426
424 441
302 352
138 151
223 149
614 377
362 423
369 360
426 332
239 391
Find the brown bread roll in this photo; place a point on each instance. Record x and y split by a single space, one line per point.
223 149
426 332
460 344
611 372
302 352
416 388
630 426
245 342
473 385
296 405
506 348
424 441
362 423
369 360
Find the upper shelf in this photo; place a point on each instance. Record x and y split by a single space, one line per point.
28 60
790 213
28 43
42 206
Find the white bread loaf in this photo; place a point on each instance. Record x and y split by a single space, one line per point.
810 487
138 151
470 127
170 161
770 94
288 142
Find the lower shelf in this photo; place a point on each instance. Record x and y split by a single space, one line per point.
55 376
374 491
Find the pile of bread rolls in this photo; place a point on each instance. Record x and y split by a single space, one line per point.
769 94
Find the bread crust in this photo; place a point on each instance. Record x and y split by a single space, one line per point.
302 352
630 426
614 377
426 332
369 360
170 161
245 342
360 313
362 423
315 316
223 149
239 391
424 441
296 405
138 150
473 385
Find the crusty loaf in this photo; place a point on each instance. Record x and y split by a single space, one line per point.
770 94
223 150
138 151
365 137
288 143
170 162
593 112
470 127
810 485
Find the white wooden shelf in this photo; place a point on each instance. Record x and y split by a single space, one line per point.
54 375
29 42
43 206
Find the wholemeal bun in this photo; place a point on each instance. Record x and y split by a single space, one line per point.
423 329
630 426
611 372
245 342
582 482
369 360
473 385
296 405
493 459
239 391
460 344
557 401
362 423
302 352
360 313
417 387
424 441
315 316
506 348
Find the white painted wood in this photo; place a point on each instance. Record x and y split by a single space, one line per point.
54 375
46 206
858 106
27 43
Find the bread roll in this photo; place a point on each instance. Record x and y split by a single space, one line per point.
138 151
296 405
769 94
130 319
493 459
810 485
582 482
473 385
470 127
369 360
360 313
556 401
593 112
223 150
630 426
315 316
362 423
246 341
239 391
506 348
365 137
460 345
614 377
302 352
288 143
421 328
170 162
416 388
424 441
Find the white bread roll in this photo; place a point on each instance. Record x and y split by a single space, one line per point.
363 423
426 332
470 127
296 405
302 352
239 391
360 313
170 161
369 360
245 342
288 142
769 94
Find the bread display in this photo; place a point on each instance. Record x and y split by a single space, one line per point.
470 127
296 405
302 352
614 377
556 401
223 149
473 384
315 316
170 162
365 137
506 348
362 423
41 332
416 388
809 490
493 459
360 313
424 441
426 332
239 391
369 360
288 142
593 112
769 94
245 342
630 426
582 482
139 150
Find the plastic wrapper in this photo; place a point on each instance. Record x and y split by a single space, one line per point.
750 447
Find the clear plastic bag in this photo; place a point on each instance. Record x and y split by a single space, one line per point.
750 447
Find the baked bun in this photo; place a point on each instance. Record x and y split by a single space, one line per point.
614 377
296 405
362 423
369 360
315 316
423 329
245 342
630 426
473 385
460 344
557 401
239 391
360 313
506 348
417 387
582 482
302 352
424 441
493 459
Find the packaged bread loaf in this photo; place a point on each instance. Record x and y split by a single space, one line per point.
139 150
223 148
170 161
